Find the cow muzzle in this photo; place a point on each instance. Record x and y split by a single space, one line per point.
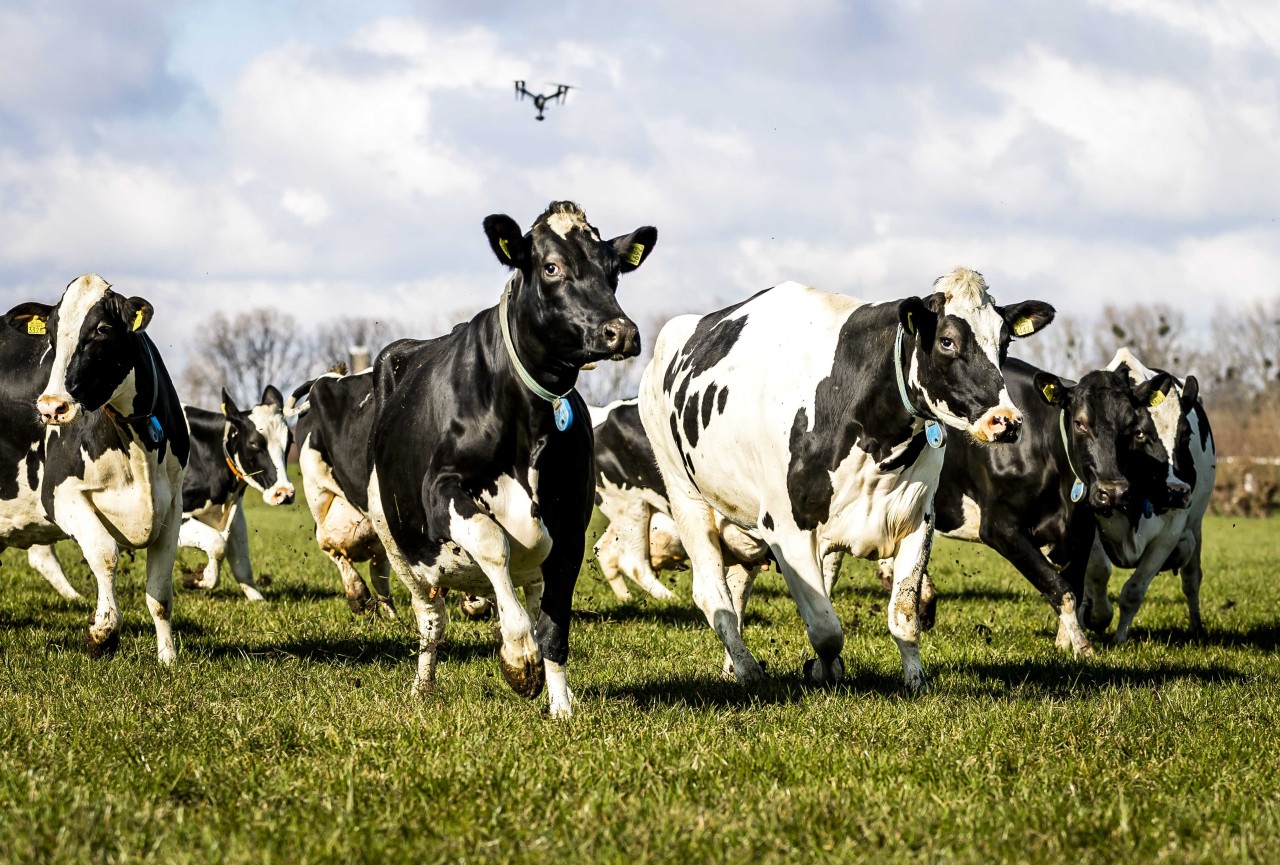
1002 424
281 494
1106 495
1177 495
621 338
57 409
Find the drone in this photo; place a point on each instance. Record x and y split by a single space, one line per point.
541 100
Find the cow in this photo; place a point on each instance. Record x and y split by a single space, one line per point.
481 453
335 416
1167 535
814 422
232 450
1088 450
94 444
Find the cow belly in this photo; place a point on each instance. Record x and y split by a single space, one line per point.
873 511
1126 547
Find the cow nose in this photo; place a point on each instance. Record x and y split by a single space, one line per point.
621 337
1179 495
55 409
1109 494
1002 424
279 496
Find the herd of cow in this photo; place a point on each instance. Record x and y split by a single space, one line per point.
785 431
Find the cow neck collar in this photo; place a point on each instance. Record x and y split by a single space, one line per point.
155 390
231 464
1077 485
558 404
934 434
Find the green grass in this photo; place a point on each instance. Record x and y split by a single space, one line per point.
286 731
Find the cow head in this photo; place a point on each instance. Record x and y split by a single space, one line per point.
961 341
257 443
1112 441
1170 405
563 296
97 343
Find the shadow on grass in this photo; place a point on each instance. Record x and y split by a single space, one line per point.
1065 679
1265 638
780 687
356 650
671 613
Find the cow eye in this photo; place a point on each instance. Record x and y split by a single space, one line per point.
551 268
1140 436
947 343
1081 426
104 330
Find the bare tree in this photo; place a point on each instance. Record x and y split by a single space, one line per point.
334 341
244 354
1246 344
1156 333
1068 347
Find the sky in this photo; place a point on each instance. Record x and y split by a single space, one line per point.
336 159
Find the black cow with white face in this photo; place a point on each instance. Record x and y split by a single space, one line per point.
1088 450
806 419
97 435
233 451
481 452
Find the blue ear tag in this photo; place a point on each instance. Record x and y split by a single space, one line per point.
934 434
154 428
1077 490
1147 509
563 414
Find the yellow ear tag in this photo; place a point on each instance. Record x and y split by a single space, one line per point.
224 408
137 320
636 253
1023 326
35 327
1156 399
911 325
502 244
1050 392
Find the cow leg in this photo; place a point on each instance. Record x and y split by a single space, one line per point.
630 521
909 566
884 570
353 585
210 541
805 579
928 602
433 616
1135 588
1191 577
831 564
238 555
44 561
161 555
77 517
1096 610
1003 536
740 579
380 576
696 525
608 552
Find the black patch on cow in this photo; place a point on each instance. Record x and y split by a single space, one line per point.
691 422
857 403
624 456
708 402
908 456
724 398
767 521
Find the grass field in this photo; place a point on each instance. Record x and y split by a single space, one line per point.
286 731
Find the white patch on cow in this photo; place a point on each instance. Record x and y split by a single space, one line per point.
269 421
1166 416
600 414
969 529
79 298
561 698
562 222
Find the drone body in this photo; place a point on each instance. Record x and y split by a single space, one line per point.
541 100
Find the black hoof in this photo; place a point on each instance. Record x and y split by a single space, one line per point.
525 679
104 648
191 581
837 673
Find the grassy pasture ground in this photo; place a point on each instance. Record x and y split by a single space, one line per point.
287 733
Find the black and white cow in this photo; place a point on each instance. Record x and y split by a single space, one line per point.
94 444
333 429
783 413
1167 536
231 452
481 454
1087 449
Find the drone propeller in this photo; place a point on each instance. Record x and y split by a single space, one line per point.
562 90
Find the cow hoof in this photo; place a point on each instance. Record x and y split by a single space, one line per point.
386 610
525 678
477 609
1085 651
102 647
1118 639
834 672
191 581
661 592
916 686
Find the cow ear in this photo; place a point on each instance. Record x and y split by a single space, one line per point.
272 396
1190 393
137 313
1154 391
1028 317
507 240
1051 388
30 317
635 247
228 404
912 313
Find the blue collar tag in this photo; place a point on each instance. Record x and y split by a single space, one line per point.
563 414
1077 490
934 434
1147 510
156 431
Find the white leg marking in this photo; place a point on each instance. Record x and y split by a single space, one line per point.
45 562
